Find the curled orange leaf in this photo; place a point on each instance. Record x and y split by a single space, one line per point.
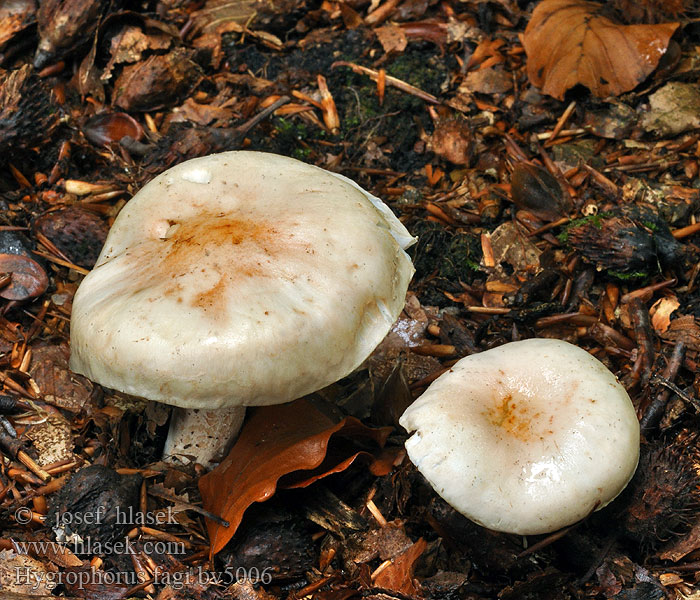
288 440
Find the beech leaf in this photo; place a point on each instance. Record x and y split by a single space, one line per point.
398 576
281 440
570 42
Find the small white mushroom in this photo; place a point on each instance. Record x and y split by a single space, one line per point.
525 438
239 279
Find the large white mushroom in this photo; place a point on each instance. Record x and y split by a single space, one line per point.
238 279
525 438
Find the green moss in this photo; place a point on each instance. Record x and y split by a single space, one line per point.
450 255
632 275
595 220
290 129
413 68
301 153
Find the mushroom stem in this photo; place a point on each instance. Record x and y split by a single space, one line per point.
204 436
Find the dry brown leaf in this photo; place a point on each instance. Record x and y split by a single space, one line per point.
351 18
661 313
683 546
59 554
277 441
216 13
202 114
570 42
129 45
674 109
41 578
398 576
452 138
392 38
511 244
486 50
684 329
52 440
489 81
218 17
59 386
28 278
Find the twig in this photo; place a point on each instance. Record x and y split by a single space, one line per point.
685 232
562 121
392 81
654 411
649 290
546 135
643 334
678 391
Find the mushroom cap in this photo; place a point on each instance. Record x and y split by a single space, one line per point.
525 438
240 278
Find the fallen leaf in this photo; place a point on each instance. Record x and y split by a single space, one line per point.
683 546
453 140
40 579
489 81
217 13
88 75
202 114
351 18
81 582
675 108
275 441
129 44
59 386
684 329
398 576
392 38
534 189
382 543
59 554
570 42
29 280
661 313
511 244
218 17
52 440
379 464
487 50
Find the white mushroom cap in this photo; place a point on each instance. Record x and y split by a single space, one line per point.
525 438
240 278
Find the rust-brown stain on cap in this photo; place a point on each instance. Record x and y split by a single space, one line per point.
512 417
233 248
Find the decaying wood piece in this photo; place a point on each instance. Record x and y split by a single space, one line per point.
64 25
15 18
